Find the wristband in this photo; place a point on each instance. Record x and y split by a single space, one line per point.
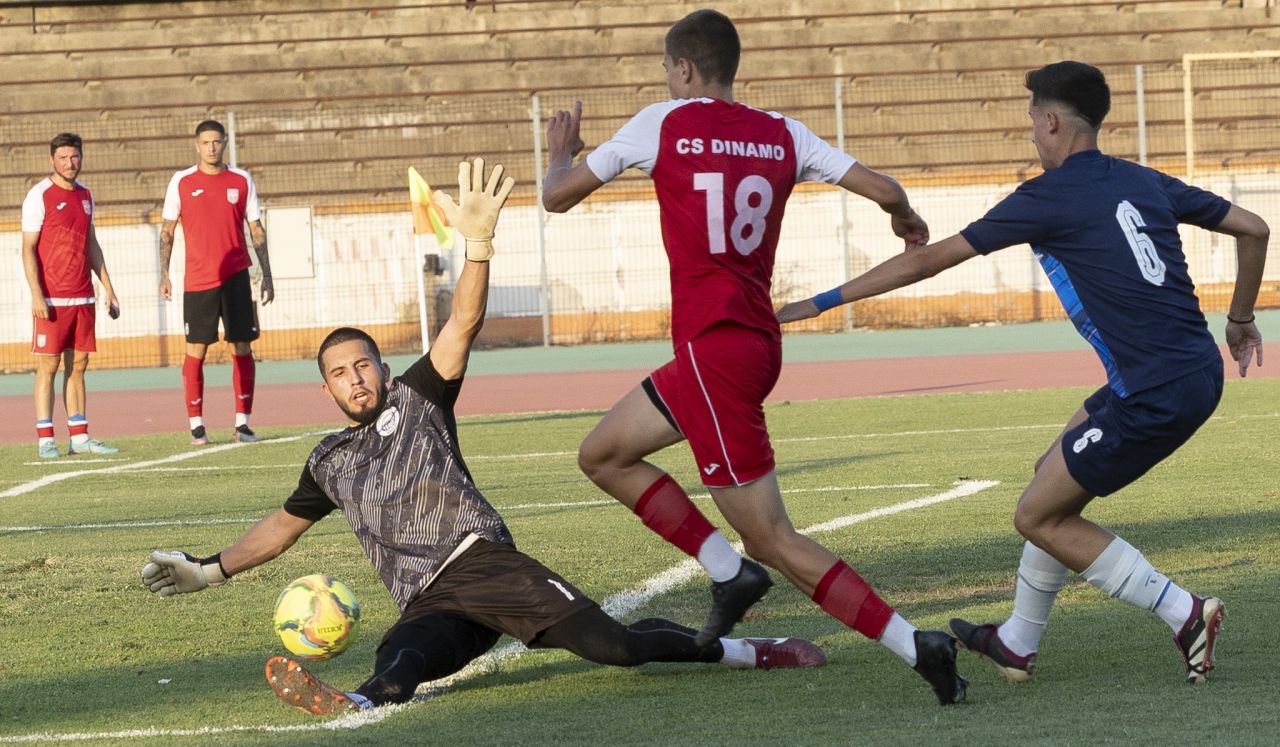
1242 321
479 250
213 570
828 300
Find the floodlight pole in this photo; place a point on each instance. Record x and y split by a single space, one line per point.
544 300
844 195
231 138
1140 90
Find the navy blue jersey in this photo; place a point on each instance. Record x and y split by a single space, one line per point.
1106 233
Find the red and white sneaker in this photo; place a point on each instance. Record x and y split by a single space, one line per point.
301 689
1198 635
786 653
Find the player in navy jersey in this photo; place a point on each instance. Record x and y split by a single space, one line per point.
1106 232
443 552
722 172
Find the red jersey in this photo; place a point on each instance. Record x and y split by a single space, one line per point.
213 209
63 218
722 173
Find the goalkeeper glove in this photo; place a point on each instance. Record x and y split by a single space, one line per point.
476 212
171 573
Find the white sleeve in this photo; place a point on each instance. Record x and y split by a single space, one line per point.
816 161
633 146
33 211
252 211
172 200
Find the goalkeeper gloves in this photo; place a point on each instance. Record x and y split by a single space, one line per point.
476 212
171 573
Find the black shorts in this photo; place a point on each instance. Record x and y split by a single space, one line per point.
499 588
232 302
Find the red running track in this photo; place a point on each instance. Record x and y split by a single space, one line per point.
121 413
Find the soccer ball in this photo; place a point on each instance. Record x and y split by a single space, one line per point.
317 617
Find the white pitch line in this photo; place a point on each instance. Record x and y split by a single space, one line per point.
616 605
804 439
70 462
129 525
514 507
36 484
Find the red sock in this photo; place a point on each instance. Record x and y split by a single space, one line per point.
666 509
44 429
242 372
193 386
845 596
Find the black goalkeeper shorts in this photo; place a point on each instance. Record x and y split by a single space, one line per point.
497 586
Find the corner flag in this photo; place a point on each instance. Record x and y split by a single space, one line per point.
427 218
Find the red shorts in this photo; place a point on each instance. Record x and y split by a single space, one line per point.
67 328
713 393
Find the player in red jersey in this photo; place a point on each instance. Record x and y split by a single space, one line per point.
723 172
214 201
59 249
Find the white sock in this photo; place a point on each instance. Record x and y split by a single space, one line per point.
360 700
242 418
1174 606
899 636
738 653
1122 572
1040 578
196 422
46 441
719 558
80 438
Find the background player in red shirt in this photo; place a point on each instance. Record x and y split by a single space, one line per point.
723 172
214 201
59 248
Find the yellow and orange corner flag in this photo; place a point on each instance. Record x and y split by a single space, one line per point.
427 218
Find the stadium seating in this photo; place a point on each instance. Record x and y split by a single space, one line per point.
376 83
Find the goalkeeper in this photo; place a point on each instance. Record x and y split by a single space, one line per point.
444 553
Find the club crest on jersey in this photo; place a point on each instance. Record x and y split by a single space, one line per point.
387 421
88 207
233 196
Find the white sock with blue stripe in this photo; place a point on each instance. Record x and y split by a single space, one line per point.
1122 572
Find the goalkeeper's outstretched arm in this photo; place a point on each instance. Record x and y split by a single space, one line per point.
168 573
475 215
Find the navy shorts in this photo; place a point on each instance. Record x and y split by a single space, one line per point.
1124 438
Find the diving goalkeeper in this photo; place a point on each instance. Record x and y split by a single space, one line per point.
442 550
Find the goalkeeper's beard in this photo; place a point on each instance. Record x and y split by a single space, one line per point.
370 411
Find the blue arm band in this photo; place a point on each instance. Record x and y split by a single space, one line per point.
828 300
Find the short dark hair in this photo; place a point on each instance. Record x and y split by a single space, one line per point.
1081 87
211 124
63 139
346 334
708 39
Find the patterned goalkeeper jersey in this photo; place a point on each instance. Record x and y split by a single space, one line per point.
402 484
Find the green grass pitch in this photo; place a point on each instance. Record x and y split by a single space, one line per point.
86 652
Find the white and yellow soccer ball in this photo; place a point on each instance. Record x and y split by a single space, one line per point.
317 617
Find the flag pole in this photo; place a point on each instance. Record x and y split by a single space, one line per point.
420 262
